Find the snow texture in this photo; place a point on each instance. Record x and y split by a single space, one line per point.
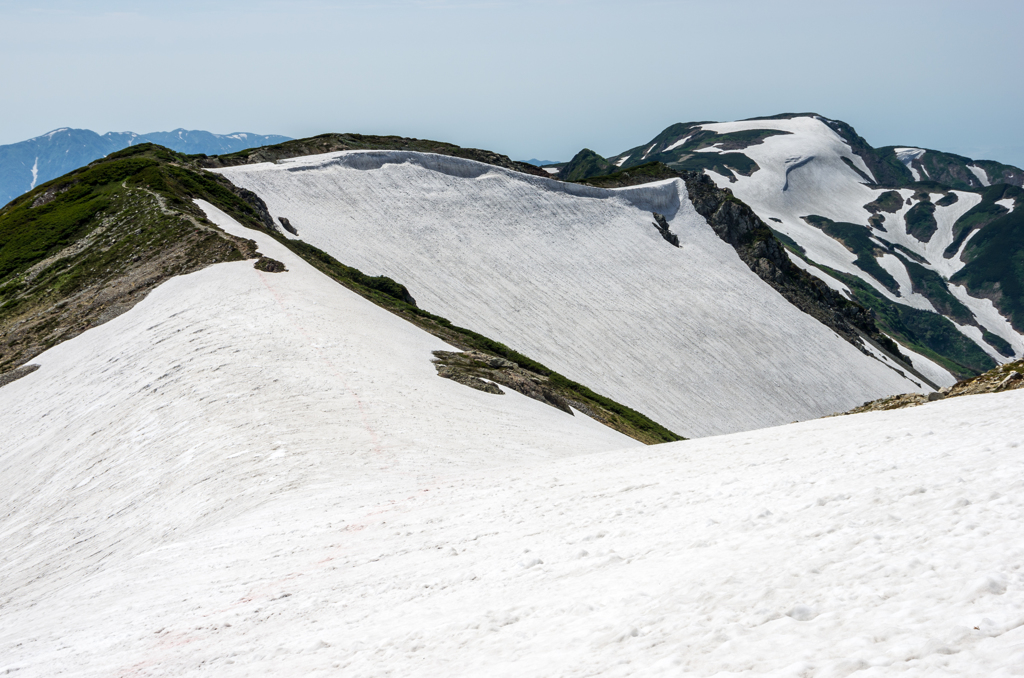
35 173
1008 203
580 279
887 542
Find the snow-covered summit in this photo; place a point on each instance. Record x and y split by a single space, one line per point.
899 225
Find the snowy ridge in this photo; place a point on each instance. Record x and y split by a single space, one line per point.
255 381
579 278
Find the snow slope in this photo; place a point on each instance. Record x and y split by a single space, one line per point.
887 543
580 279
222 390
803 173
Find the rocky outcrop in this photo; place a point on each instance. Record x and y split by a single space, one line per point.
268 265
1009 377
482 371
287 225
661 223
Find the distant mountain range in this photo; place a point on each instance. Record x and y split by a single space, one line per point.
542 163
26 164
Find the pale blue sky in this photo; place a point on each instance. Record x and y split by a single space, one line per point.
530 79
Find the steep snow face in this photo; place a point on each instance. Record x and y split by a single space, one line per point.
580 279
887 541
804 173
220 391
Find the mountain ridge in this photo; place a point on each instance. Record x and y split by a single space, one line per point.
27 164
896 239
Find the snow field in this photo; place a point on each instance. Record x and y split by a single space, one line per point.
580 279
887 543
220 391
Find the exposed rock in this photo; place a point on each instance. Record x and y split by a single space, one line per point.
268 265
49 195
1004 378
462 377
15 374
662 225
472 368
287 225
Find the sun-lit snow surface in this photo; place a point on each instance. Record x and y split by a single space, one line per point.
803 173
223 390
580 279
981 174
887 542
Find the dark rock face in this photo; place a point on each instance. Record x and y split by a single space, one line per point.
287 225
661 224
268 265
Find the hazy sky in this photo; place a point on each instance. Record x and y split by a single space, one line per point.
529 79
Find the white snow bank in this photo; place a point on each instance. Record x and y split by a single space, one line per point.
907 156
887 542
981 174
580 279
1008 203
679 143
939 375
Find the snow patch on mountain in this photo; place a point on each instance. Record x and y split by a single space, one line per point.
1007 203
35 173
580 279
981 174
825 277
932 371
677 144
907 156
